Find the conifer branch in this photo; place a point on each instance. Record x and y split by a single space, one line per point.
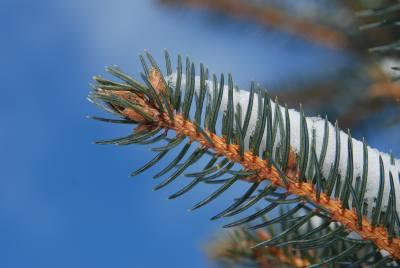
267 154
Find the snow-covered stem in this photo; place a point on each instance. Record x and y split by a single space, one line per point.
241 97
301 163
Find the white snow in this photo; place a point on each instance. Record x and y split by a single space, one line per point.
387 65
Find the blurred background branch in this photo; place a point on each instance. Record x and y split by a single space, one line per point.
234 247
354 94
269 16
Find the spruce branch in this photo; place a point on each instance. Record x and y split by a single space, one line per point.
311 168
236 246
384 17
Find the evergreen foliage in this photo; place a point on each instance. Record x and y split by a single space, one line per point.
322 220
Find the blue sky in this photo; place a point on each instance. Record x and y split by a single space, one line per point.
65 202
